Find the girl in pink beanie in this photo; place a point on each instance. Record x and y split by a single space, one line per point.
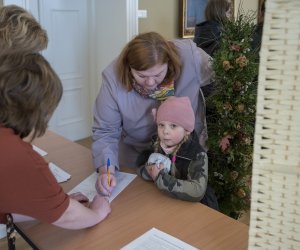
177 163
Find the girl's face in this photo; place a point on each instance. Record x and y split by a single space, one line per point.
150 78
170 134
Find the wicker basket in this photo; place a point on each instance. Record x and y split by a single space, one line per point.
275 205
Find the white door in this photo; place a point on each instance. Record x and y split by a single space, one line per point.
66 22
82 41
67 27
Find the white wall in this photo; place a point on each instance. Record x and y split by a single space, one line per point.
109 35
246 5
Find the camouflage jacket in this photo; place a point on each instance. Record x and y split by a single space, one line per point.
190 181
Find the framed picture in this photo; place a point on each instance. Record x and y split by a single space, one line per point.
261 11
191 12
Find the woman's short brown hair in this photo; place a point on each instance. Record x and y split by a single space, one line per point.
30 91
20 32
216 10
145 51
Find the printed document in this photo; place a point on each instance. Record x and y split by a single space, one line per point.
87 186
39 150
59 174
155 239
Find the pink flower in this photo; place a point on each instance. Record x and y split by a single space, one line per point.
227 66
241 193
247 140
225 143
227 106
241 108
244 139
242 61
234 175
235 47
237 86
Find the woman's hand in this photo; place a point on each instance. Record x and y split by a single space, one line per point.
101 206
80 197
77 216
154 169
103 185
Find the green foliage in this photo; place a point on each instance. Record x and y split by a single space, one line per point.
231 112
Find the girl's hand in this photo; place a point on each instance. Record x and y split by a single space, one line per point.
154 169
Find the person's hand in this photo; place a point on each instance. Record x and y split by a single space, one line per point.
160 158
101 206
102 184
154 169
80 197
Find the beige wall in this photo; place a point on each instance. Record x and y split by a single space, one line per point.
163 15
247 5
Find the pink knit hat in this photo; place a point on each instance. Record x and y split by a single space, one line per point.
177 110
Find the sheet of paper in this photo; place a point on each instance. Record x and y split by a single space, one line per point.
40 151
2 231
156 239
59 174
87 186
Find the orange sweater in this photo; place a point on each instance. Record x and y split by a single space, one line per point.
26 184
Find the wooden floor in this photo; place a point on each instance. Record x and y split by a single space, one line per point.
22 245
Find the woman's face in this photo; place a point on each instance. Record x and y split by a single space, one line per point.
152 77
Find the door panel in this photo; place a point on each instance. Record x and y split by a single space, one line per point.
76 39
67 27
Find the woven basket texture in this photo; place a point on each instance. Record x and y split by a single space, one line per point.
275 204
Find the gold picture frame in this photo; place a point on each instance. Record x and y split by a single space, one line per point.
186 27
191 12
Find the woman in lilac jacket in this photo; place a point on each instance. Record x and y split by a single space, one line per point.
148 70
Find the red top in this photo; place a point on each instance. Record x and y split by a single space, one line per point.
26 184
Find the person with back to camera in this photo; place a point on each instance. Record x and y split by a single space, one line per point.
257 35
176 162
208 33
148 70
29 93
20 32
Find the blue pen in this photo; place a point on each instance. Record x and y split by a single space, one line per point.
108 171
